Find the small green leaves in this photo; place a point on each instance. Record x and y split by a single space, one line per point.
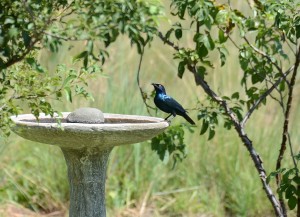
178 30
68 93
178 33
34 65
235 95
169 32
288 186
201 70
292 202
83 55
170 144
204 127
223 54
209 121
222 37
204 39
181 68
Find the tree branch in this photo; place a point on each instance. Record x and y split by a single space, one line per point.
18 58
166 41
263 96
239 129
268 58
287 112
247 142
285 133
73 38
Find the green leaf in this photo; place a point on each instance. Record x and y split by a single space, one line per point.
290 191
222 37
227 125
258 77
13 32
292 202
90 46
211 134
207 41
9 20
68 79
222 17
223 53
26 38
80 56
168 34
34 65
68 93
181 69
235 95
202 51
204 127
296 179
178 33
201 70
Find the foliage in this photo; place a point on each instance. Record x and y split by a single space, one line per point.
25 86
270 25
289 183
170 144
29 26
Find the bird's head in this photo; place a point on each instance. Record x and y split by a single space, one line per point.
159 88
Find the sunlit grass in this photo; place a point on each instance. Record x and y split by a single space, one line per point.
217 178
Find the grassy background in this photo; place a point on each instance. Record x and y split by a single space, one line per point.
216 179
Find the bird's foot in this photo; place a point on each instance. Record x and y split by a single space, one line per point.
169 119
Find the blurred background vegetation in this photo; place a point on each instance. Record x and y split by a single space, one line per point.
216 179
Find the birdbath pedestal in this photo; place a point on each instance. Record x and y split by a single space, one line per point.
86 149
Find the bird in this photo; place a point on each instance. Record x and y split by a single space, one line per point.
168 104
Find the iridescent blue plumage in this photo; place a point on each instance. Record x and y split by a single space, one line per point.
168 104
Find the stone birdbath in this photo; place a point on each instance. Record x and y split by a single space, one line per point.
86 137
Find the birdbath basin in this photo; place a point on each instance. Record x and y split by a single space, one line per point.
86 149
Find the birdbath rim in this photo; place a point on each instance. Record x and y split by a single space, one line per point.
118 129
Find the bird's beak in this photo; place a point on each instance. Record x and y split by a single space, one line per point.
155 85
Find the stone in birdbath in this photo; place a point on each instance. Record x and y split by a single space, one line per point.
86 115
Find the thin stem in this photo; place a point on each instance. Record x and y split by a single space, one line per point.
268 58
292 152
263 96
18 58
64 38
138 83
165 40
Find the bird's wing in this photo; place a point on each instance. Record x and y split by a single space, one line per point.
172 103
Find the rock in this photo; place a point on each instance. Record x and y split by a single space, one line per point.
86 115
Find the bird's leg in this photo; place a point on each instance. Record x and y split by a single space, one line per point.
167 117
169 120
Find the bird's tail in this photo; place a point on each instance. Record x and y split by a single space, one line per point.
186 117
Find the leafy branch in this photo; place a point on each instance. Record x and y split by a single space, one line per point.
285 133
265 94
239 128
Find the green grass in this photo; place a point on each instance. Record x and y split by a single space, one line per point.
217 178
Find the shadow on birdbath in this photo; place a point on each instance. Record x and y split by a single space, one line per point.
86 137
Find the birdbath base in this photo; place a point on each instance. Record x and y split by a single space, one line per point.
87 174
